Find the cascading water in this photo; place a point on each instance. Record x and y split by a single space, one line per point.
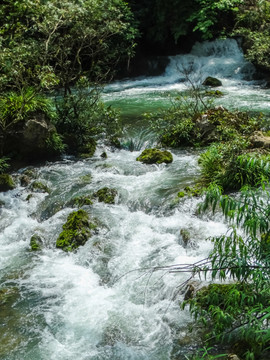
222 59
93 304
86 304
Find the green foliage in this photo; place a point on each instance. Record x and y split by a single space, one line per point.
227 165
238 312
208 14
253 24
176 125
4 164
6 182
82 118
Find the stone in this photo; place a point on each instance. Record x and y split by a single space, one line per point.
36 242
211 81
35 136
155 156
25 180
38 186
76 231
106 195
6 182
259 140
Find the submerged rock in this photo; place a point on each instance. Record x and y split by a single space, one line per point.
80 201
6 182
105 195
155 156
76 231
211 81
38 186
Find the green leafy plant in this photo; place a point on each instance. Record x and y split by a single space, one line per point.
238 311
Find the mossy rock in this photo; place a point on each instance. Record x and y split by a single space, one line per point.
6 182
24 180
181 194
186 236
106 195
104 155
155 156
76 231
36 242
193 191
38 186
211 81
80 201
214 93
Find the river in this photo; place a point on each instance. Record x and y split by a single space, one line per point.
103 301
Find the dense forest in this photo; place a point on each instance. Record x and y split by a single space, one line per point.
55 59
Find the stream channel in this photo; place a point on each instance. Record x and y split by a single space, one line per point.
90 304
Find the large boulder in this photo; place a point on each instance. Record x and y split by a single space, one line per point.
36 134
211 81
6 182
76 231
155 156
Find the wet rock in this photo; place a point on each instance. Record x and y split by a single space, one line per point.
36 242
259 140
211 81
155 156
232 357
106 195
80 201
35 136
24 180
38 186
104 155
186 236
76 231
6 182
191 290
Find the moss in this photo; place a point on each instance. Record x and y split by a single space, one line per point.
215 93
80 201
193 191
105 195
6 182
185 236
36 242
211 81
38 186
155 156
181 194
29 197
76 231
